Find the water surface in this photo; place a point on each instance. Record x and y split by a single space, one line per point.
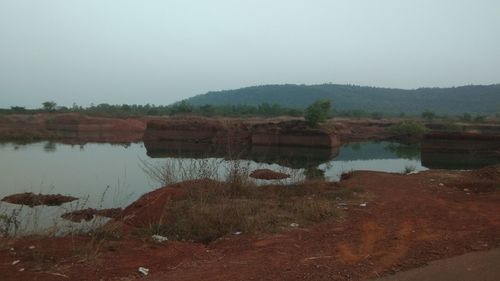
108 176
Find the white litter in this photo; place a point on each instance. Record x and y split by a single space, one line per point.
159 238
293 224
31 247
362 205
144 271
16 262
237 233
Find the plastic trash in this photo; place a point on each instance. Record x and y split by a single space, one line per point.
16 262
159 238
362 205
144 271
293 224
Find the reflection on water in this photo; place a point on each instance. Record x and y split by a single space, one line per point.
83 170
292 157
109 176
460 153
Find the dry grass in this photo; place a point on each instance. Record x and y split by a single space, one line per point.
9 223
207 214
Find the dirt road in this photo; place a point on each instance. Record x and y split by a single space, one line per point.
480 266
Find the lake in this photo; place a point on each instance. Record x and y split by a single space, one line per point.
110 175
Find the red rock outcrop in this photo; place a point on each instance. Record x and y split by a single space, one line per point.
97 129
235 132
292 133
351 130
197 130
71 127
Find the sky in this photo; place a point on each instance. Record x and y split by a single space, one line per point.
162 51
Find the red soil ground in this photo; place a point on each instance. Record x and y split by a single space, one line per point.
408 221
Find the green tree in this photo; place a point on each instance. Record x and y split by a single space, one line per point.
317 112
49 106
181 107
408 128
18 109
429 115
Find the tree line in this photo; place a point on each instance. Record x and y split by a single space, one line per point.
320 109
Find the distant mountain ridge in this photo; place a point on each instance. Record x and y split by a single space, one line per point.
479 99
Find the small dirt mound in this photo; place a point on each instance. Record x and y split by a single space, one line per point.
266 174
88 214
31 199
490 172
486 179
152 207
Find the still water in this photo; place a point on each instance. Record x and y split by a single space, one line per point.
109 175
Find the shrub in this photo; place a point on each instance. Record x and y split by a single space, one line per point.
317 112
408 129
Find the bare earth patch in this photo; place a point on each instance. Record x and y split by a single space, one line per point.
266 174
31 199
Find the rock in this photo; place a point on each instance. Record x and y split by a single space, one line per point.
266 174
292 133
196 130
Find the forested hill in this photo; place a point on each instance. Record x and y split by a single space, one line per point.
456 100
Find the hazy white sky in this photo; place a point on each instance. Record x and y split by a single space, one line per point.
160 51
